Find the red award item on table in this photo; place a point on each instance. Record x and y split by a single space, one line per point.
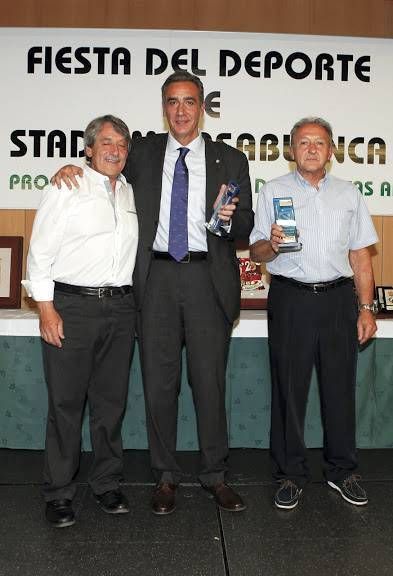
250 276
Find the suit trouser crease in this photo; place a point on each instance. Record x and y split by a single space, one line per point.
92 366
306 330
180 309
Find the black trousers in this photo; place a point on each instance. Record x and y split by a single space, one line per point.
180 309
93 365
306 330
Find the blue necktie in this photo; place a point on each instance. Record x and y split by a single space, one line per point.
178 230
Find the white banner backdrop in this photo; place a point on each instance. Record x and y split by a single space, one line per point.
54 81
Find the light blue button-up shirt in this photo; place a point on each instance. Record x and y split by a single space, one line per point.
331 220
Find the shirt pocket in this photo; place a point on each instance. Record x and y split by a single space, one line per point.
335 227
129 221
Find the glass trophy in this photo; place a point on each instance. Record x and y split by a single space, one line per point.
284 214
215 224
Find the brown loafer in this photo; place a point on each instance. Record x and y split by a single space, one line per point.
163 500
226 497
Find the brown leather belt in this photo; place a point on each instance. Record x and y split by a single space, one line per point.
316 287
189 257
103 292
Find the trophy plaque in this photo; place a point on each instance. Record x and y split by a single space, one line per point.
215 224
285 217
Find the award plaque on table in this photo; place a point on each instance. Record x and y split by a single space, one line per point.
284 214
385 299
388 293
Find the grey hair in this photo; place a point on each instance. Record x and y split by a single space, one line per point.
183 76
94 127
312 120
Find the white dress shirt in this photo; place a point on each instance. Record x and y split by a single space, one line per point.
85 237
196 164
331 220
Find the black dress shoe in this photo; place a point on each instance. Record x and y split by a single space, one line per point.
164 499
226 497
113 502
60 513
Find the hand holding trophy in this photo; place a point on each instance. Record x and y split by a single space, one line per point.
285 217
215 223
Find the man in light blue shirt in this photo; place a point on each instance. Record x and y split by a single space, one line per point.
320 307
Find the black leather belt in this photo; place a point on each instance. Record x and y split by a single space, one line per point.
103 292
189 257
314 287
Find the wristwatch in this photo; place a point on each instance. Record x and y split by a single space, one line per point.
373 307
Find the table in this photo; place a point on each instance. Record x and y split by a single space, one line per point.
23 399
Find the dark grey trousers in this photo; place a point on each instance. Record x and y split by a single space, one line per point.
181 309
306 330
92 366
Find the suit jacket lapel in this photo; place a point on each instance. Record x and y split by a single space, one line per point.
157 168
215 174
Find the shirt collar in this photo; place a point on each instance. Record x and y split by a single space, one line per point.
195 145
303 182
101 178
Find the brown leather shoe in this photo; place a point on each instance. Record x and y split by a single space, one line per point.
226 497
163 500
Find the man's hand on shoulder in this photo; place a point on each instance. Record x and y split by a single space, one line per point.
66 175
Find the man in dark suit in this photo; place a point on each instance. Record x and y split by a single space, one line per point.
191 299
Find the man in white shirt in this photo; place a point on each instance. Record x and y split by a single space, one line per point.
80 265
320 308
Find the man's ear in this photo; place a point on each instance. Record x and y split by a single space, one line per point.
291 154
88 152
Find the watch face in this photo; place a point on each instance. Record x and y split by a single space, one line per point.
372 307
375 307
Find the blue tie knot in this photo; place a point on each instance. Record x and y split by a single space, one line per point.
183 152
182 155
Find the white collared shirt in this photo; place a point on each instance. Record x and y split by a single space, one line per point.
196 164
85 237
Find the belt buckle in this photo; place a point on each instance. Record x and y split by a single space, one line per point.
101 292
315 288
186 259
